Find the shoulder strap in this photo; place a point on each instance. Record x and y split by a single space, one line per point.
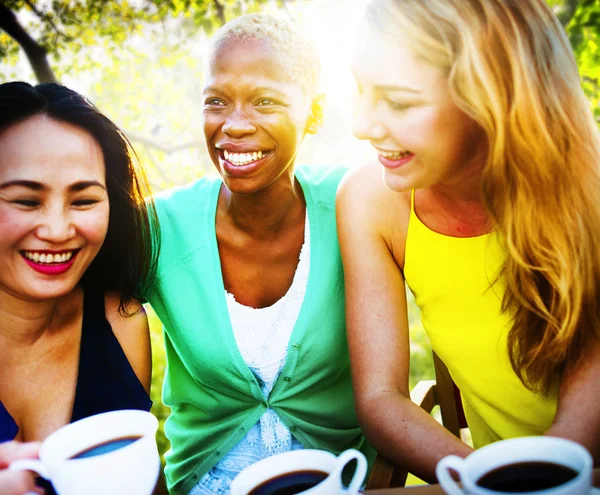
106 380
8 427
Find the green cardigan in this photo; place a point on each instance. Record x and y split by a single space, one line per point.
213 395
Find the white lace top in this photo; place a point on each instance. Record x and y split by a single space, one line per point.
262 337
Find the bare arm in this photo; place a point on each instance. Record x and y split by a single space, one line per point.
133 333
578 413
370 231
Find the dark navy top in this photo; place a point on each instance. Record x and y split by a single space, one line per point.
106 381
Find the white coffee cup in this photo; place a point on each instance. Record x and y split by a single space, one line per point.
305 460
132 469
518 450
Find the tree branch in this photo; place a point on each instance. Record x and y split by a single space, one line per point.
41 15
287 10
220 11
151 143
567 12
36 54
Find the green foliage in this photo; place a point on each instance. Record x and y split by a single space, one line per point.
69 26
421 360
155 93
584 34
582 24
66 28
158 371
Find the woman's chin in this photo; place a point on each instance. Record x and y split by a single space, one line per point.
397 183
45 290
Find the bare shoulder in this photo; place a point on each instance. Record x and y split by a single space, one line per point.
364 200
133 333
364 181
136 315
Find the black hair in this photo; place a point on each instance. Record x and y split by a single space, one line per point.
128 257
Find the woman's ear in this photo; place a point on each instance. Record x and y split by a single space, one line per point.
315 119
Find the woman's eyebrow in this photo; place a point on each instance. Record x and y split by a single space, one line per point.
405 89
80 186
30 184
266 89
38 186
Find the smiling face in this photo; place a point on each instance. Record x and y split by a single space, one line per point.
254 117
404 108
54 207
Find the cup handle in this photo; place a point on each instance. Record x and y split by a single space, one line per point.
29 465
359 474
445 478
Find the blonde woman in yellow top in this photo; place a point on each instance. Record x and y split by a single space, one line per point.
489 210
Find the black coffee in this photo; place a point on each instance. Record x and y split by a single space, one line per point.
105 447
526 477
290 483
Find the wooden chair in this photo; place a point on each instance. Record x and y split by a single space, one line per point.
427 394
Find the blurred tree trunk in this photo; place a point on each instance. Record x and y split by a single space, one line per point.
36 54
568 11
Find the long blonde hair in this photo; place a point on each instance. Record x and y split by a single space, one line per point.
510 67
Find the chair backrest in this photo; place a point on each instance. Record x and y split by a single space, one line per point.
427 394
448 398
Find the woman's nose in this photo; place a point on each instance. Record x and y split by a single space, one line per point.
56 227
366 123
238 124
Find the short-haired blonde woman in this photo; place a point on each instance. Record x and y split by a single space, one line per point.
250 282
489 210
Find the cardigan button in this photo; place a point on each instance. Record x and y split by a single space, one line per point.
287 378
295 345
293 428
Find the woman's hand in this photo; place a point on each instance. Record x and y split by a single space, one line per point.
17 482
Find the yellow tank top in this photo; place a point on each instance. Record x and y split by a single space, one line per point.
456 287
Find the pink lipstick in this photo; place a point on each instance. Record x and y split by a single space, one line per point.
54 268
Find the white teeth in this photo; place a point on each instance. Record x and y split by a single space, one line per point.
48 258
394 155
242 158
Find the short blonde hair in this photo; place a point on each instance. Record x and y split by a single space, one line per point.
296 54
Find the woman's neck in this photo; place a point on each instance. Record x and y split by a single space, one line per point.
468 207
456 207
266 212
23 322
